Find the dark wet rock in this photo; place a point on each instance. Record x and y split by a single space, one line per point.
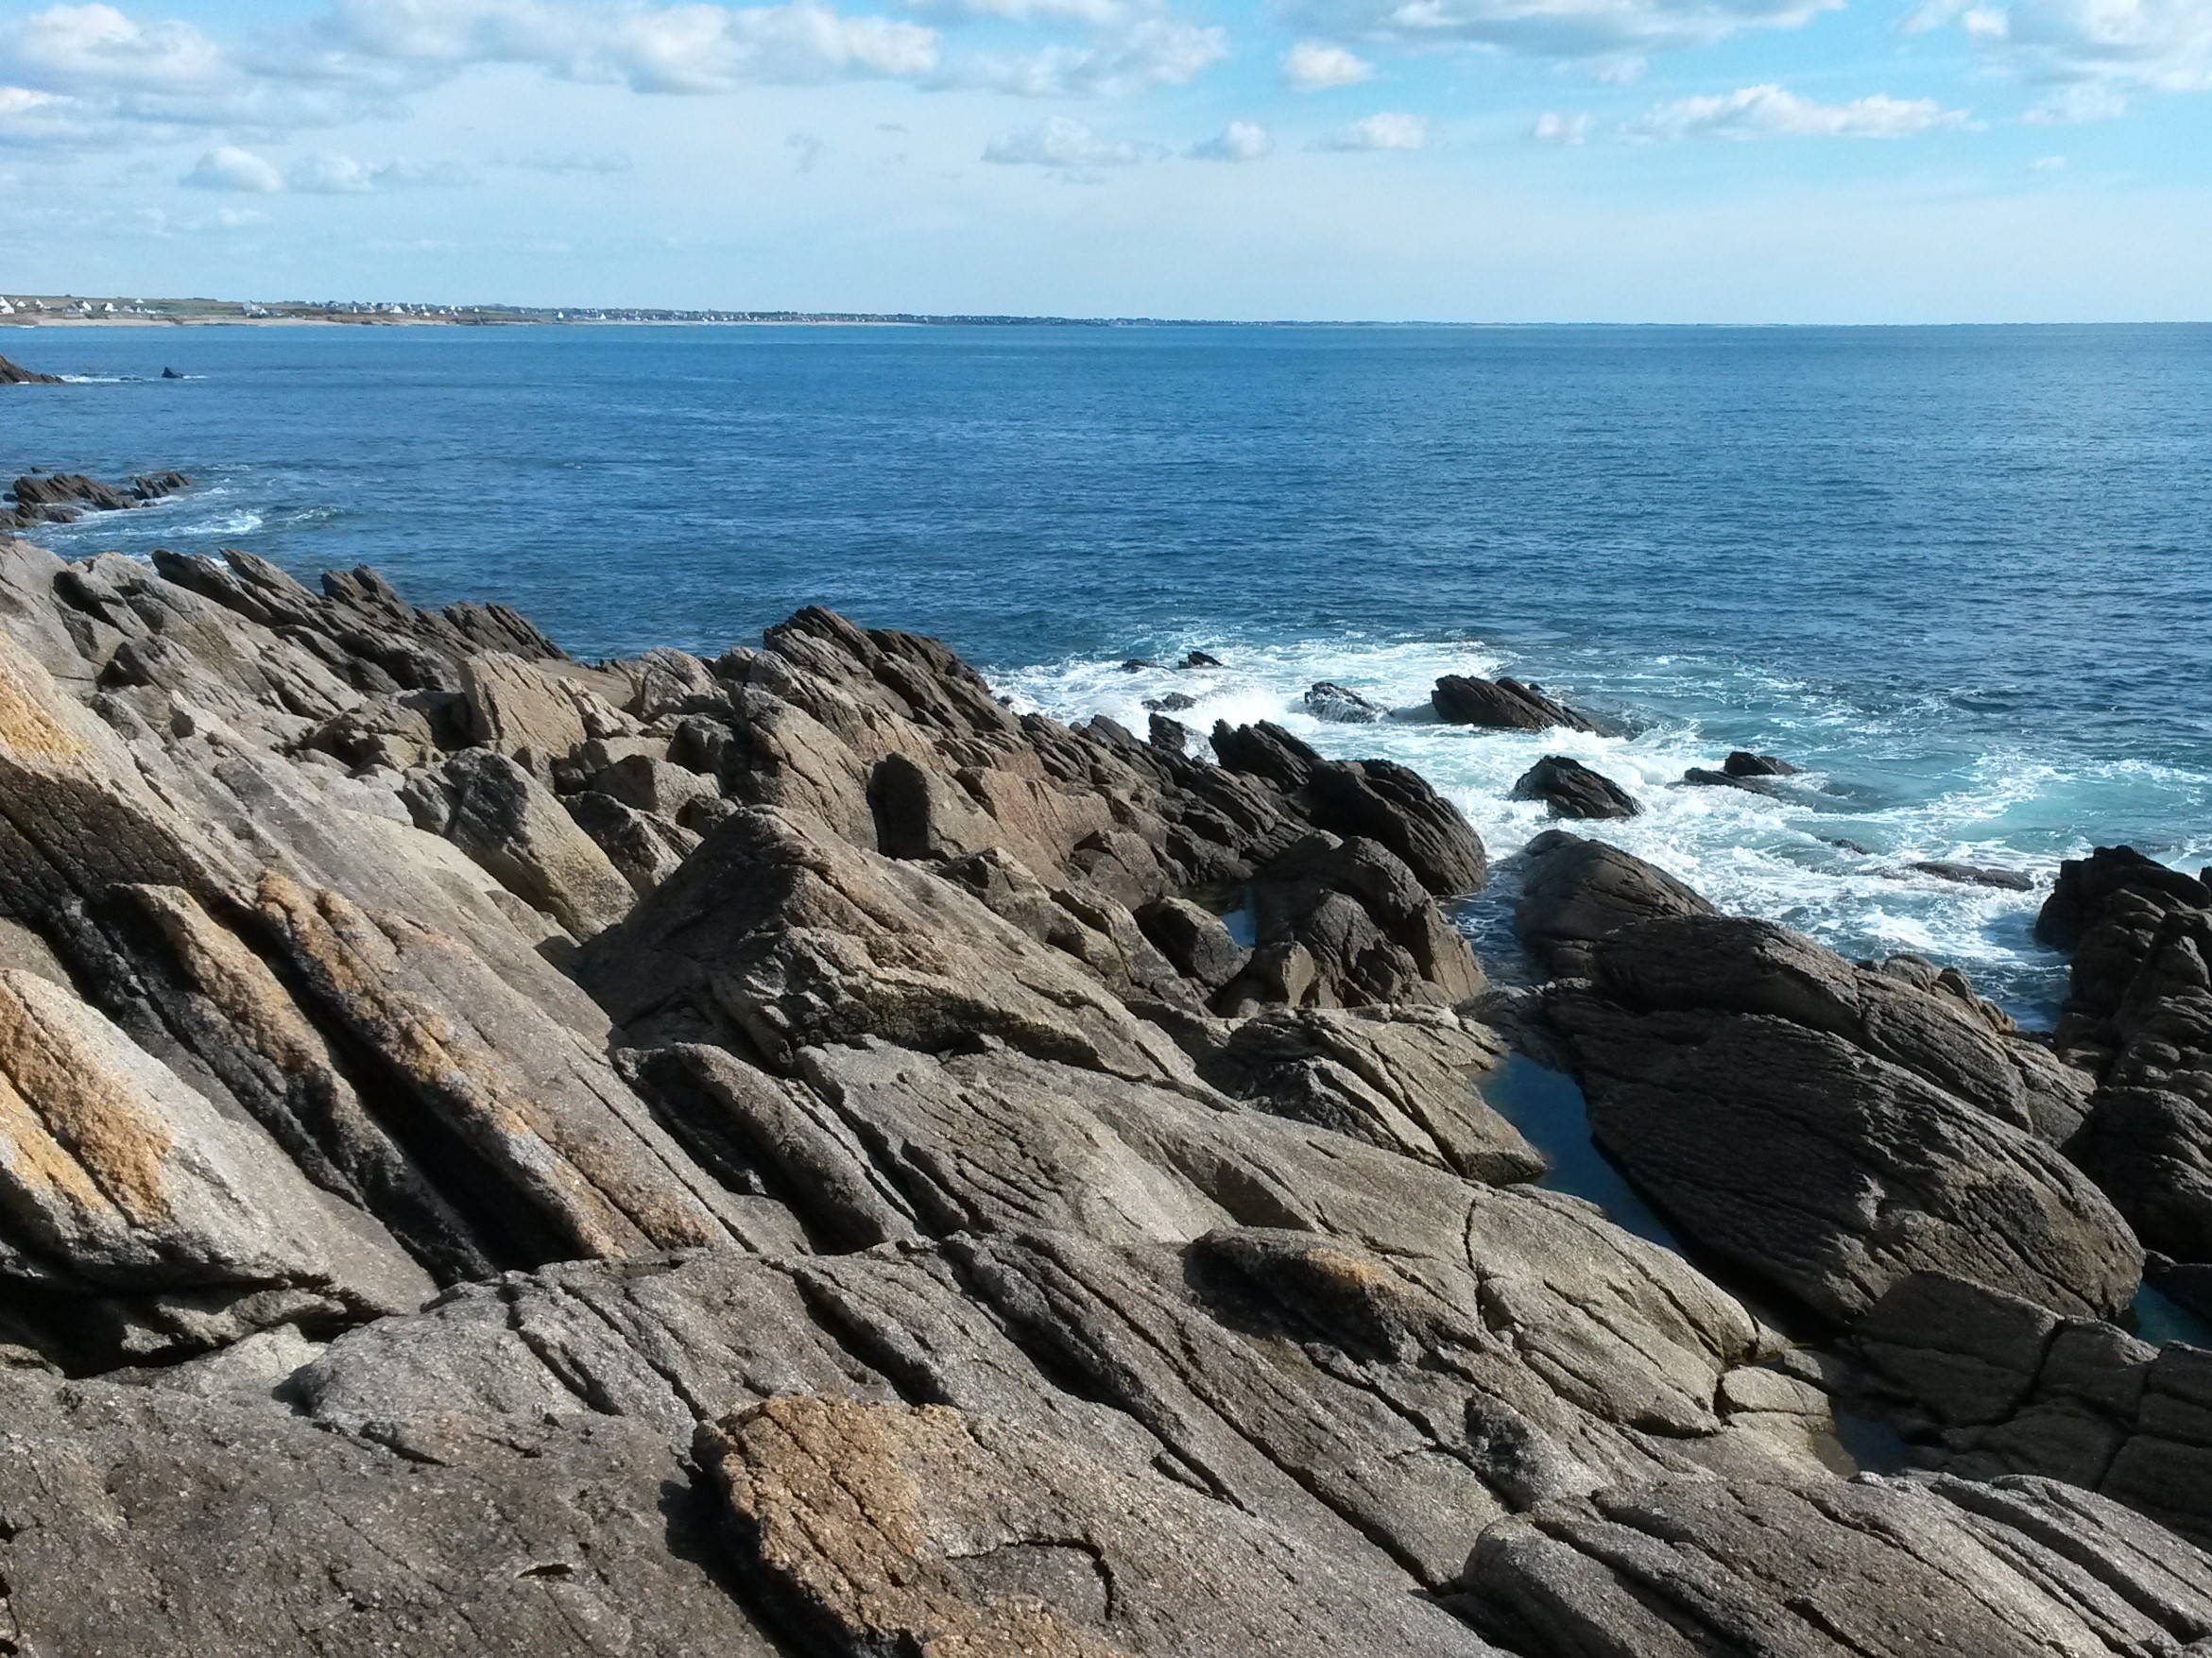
1974 875
1832 1129
2087 887
159 486
1689 1568
1175 702
1766 783
1267 751
1743 763
1571 789
1506 705
1199 660
14 374
1171 735
1395 806
171 374
55 493
1575 891
2011 1388
2141 1018
1328 700
2150 1150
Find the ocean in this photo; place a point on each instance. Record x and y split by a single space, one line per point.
1961 575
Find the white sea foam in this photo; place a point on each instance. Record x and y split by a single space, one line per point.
1830 859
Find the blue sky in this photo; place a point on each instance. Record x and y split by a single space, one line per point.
1744 161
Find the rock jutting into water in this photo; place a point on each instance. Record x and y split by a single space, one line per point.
784 1154
15 374
62 497
1505 705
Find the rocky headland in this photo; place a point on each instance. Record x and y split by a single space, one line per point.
785 1154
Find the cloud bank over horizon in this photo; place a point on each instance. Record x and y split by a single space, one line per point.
1063 155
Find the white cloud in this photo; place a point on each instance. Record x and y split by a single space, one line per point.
1312 65
2095 54
1604 30
231 168
1772 111
1392 130
1553 128
2048 163
1154 52
1065 145
78 45
335 175
1240 141
681 48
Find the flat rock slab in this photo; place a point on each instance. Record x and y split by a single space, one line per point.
933 1532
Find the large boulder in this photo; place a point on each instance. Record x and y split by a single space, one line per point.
1832 1129
139 1221
1575 891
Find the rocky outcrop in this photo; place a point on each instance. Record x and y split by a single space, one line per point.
15 374
1571 789
1503 705
1742 762
61 497
782 1152
2141 1018
1973 875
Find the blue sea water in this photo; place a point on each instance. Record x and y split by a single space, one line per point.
1962 574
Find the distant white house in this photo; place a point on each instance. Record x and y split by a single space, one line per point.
6 309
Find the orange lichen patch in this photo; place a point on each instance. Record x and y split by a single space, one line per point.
27 726
76 1121
217 964
829 1493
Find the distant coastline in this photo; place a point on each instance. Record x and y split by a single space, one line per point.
79 311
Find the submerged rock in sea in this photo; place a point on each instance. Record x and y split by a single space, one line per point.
1571 789
784 1153
1742 762
1974 874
